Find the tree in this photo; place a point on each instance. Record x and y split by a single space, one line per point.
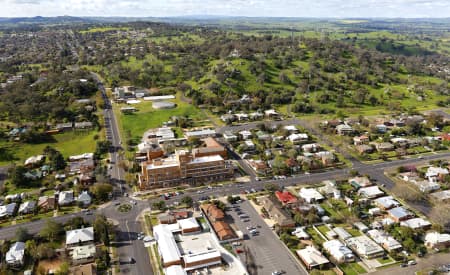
188 201
271 187
102 229
102 148
63 269
45 251
101 191
22 234
17 176
160 205
51 231
57 161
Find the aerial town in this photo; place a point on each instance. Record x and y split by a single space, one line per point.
224 147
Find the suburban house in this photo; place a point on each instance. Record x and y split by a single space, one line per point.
436 173
312 257
83 254
416 223
310 195
365 247
285 197
442 196
384 239
311 147
364 149
229 136
216 217
46 203
280 216
344 129
342 233
27 207
386 202
338 251
200 133
15 257
298 138
84 198
384 146
65 198
437 240
8 210
272 114
245 134
330 189
359 182
399 214
80 236
370 192
361 140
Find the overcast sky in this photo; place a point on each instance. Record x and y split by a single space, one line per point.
279 8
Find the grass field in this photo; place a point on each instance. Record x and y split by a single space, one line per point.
146 118
104 29
69 143
352 268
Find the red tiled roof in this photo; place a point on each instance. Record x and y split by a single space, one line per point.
445 137
285 197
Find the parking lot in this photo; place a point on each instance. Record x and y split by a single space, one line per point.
265 252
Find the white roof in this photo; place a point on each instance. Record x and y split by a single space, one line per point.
27 206
84 197
206 132
370 192
290 128
160 97
364 246
34 159
415 223
312 256
436 238
65 197
383 238
166 243
337 249
188 223
164 163
83 252
80 235
249 143
15 253
310 193
7 210
387 202
342 233
82 156
294 137
174 270
435 171
206 159
202 256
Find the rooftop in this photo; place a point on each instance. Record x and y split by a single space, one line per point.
80 235
311 256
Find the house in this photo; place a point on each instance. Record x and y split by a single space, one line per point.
229 136
285 197
242 117
370 192
301 234
87 269
297 138
312 257
64 126
83 254
311 147
365 247
437 240
400 214
227 118
65 198
416 223
338 251
282 218
330 189
272 114
189 225
384 146
374 211
79 236
46 203
361 140
361 227
384 239
166 218
364 149
386 202
83 125
436 173
381 128
15 257
427 186
442 196
245 134
344 129
359 182
263 136
84 198
213 213
256 116
200 133
291 129
249 145
259 166
223 231
34 160
399 141
342 233
310 195
27 207
326 157
7 210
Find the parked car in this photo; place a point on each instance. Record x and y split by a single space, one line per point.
412 262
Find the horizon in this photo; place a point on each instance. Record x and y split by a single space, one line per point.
408 9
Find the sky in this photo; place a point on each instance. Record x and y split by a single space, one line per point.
252 8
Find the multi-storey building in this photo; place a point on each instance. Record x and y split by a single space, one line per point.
183 168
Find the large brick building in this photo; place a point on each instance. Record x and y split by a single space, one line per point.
183 168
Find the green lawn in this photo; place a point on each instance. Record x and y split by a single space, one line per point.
352 268
69 143
147 117
385 261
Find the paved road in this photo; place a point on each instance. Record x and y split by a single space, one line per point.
431 261
266 250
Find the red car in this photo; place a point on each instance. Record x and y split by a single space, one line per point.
239 251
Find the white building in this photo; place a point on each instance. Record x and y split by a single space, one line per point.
16 254
310 195
296 138
384 239
84 198
229 136
386 202
370 192
80 236
437 240
245 134
416 223
174 270
201 133
27 207
365 247
65 197
434 172
312 257
339 251
7 210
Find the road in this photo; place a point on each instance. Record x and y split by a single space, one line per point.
128 226
428 262
265 250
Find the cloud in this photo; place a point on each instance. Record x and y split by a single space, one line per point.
279 8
